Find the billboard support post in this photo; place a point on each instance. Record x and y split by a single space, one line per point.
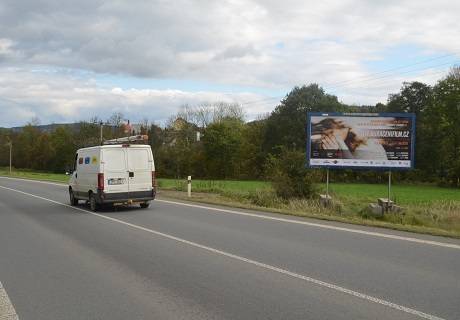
389 186
325 199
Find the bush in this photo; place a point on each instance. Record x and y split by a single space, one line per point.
264 198
290 178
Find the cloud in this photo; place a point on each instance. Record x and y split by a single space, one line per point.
268 44
59 98
224 41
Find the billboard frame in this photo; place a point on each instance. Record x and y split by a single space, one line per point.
361 114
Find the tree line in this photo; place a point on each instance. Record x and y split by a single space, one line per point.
214 141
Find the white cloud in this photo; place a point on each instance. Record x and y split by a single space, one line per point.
268 44
224 41
59 98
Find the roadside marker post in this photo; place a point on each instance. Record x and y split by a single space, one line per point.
189 186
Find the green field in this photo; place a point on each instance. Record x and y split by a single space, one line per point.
426 208
403 194
35 175
215 185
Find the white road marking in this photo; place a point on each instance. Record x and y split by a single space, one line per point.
7 310
320 225
249 261
37 181
306 223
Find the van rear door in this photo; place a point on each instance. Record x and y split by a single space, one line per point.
115 170
140 164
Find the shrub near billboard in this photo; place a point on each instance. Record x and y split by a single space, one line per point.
361 140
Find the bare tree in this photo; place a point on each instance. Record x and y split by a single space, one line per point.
35 121
223 110
144 126
454 72
116 119
204 114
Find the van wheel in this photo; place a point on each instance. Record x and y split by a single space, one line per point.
145 205
93 205
73 200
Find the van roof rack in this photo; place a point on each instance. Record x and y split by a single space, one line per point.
138 139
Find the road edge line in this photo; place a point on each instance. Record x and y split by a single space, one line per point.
306 223
249 261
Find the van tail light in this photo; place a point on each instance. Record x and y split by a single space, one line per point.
154 180
100 181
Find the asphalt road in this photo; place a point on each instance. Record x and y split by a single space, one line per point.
174 261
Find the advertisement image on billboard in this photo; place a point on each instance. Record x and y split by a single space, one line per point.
361 140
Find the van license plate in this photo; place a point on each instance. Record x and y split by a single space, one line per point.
116 181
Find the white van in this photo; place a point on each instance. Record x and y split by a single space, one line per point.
113 174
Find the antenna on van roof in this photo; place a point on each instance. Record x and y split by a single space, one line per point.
138 139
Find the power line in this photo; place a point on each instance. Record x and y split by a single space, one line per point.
372 78
393 69
352 82
386 82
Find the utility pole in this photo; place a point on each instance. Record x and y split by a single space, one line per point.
10 144
101 124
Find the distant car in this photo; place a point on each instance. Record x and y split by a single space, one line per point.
113 174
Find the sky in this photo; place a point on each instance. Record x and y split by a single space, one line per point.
66 61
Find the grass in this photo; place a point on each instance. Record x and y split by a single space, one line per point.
35 175
402 194
217 186
426 208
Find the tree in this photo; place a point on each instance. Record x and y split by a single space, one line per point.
42 152
444 119
414 97
64 149
286 124
289 176
252 155
221 144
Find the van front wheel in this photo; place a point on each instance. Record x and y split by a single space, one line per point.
92 203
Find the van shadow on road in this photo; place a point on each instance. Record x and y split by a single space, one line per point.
114 210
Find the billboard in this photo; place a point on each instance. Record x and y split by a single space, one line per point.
361 140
